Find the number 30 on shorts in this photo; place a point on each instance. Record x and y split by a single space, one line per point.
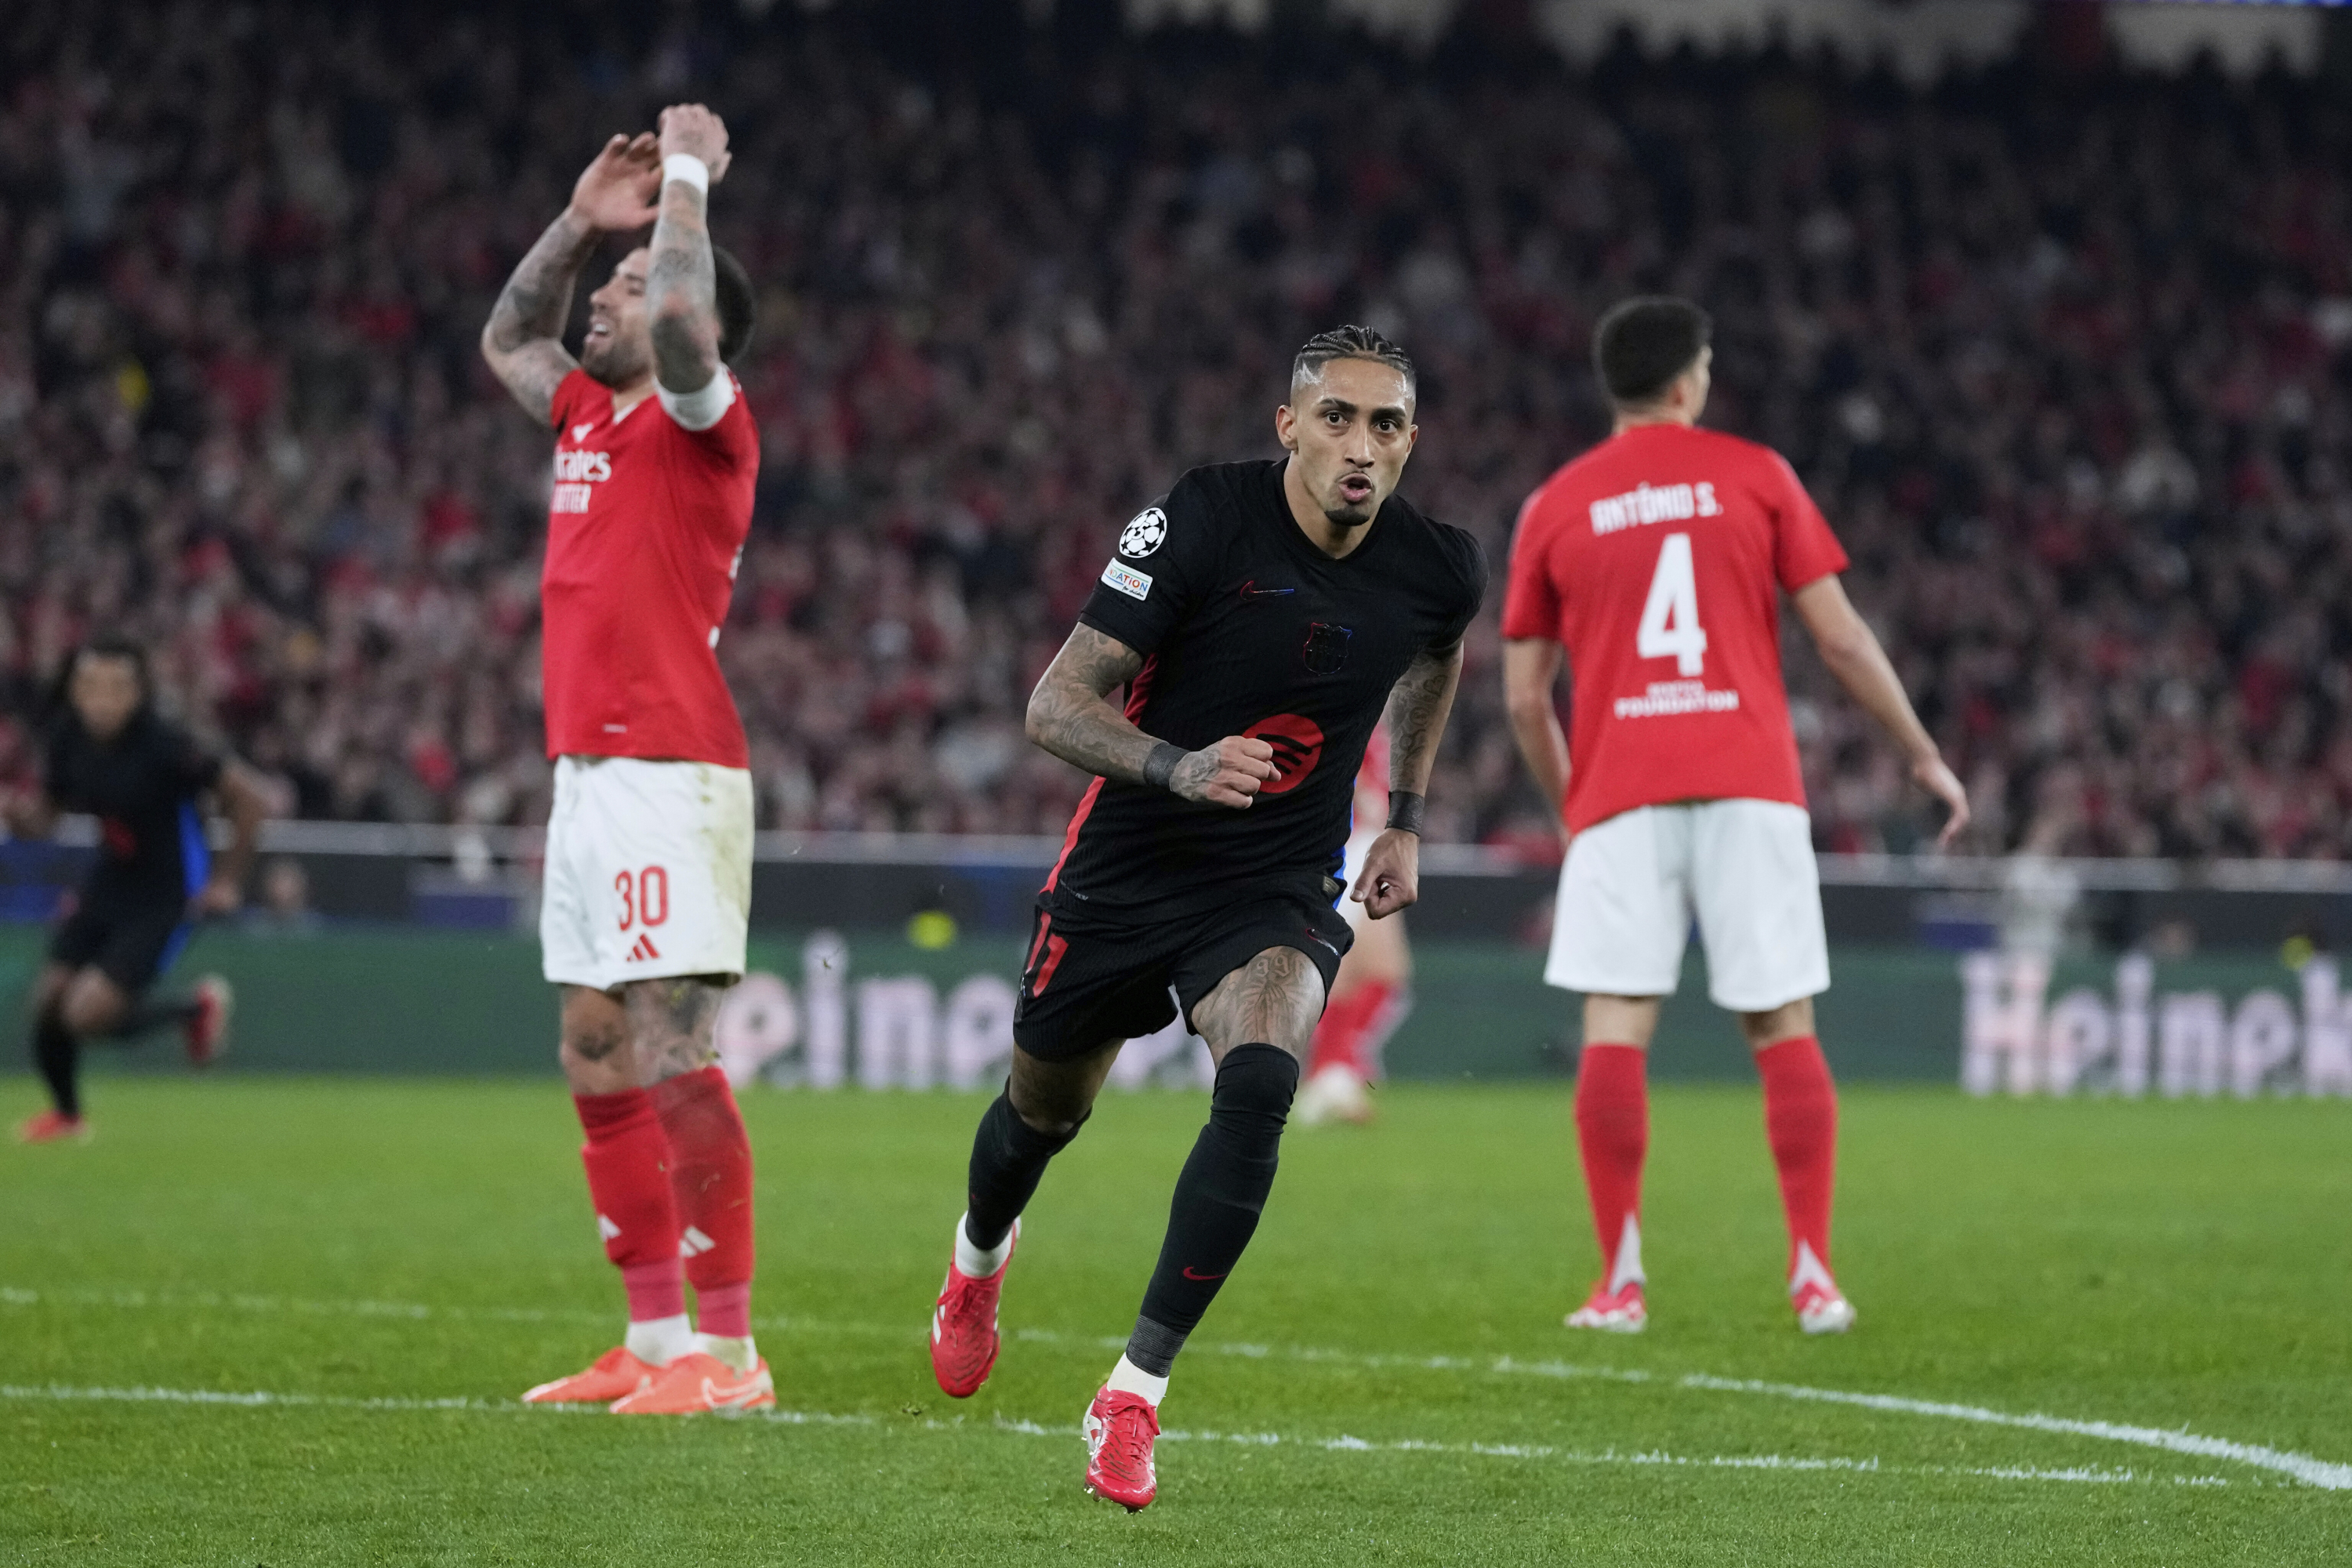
645 896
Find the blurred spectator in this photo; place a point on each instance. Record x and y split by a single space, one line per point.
284 906
2067 359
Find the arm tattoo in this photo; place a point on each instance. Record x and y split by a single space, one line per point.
1418 706
524 340
682 292
1070 714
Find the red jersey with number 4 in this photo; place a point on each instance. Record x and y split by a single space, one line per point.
1657 560
644 533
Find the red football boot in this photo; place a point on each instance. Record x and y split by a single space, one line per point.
206 1030
965 1341
700 1384
1120 1429
1619 1311
53 1127
616 1375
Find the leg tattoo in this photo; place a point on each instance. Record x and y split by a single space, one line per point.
671 1024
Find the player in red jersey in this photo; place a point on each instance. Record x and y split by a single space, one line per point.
648 876
1371 997
1657 560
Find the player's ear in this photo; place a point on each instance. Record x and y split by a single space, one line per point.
1285 428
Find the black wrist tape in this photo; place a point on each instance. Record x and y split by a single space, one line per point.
1161 766
1406 809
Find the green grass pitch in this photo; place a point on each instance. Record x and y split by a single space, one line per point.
1385 1380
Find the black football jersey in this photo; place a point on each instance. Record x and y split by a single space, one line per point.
142 786
1246 629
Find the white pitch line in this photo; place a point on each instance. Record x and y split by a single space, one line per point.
1652 1456
258 1399
2303 1468
135 1301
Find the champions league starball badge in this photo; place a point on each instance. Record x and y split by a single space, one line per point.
1144 533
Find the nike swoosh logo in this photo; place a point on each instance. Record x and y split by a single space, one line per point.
580 431
729 1399
1204 1278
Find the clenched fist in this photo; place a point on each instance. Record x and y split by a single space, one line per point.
1391 879
690 129
1230 772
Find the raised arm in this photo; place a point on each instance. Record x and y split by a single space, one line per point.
523 341
1851 650
681 281
1071 715
1530 665
1418 706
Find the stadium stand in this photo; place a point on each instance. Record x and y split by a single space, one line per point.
2070 368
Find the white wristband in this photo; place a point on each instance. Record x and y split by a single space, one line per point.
688 167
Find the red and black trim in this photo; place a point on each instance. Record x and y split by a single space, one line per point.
1138 691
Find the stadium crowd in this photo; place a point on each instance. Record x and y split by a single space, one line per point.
2067 360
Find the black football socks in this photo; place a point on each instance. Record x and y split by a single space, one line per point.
1008 1157
141 1016
1218 1199
55 1053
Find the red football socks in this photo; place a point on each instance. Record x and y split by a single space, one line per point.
1613 1133
657 1290
1801 1123
629 1181
711 1175
724 1311
1339 1038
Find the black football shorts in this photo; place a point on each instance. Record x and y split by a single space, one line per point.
1087 979
131 940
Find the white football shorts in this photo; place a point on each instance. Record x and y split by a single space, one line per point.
648 871
1744 868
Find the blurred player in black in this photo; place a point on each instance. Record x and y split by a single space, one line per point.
111 756
1261 616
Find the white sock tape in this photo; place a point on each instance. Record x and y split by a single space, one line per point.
688 167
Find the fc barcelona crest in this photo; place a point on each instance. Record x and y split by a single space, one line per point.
1326 647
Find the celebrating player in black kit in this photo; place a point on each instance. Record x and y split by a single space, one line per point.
112 755
1260 616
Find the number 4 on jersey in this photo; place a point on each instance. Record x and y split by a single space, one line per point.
1670 627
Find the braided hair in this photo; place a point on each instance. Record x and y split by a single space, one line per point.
1347 342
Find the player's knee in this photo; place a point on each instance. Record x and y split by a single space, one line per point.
1782 1023
1255 1084
87 1009
595 1027
1029 1131
50 990
1054 1098
594 1055
1052 1119
1055 1130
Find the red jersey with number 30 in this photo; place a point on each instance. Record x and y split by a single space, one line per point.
1657 560
644 529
